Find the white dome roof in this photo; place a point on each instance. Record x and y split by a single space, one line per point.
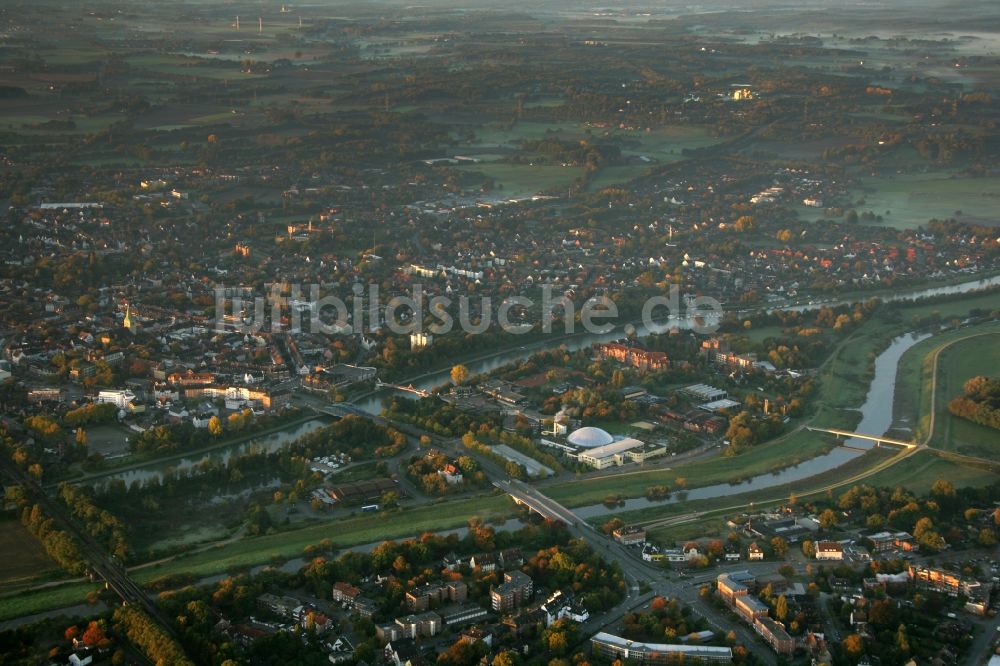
590 437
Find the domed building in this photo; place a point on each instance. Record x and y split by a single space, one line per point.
590 437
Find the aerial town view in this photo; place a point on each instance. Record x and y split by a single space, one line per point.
469 333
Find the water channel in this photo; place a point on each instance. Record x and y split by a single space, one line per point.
876 417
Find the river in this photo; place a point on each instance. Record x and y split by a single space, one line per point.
430 381
270 442
872 415
876 419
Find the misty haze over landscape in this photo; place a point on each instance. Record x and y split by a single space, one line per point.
520 334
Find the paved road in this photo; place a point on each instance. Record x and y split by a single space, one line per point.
982 644
638 573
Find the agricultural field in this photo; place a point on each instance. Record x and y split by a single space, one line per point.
22 555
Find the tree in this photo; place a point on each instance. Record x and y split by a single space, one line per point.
459 374
81 437
828 519
925 535
94 635
781 608
390 499
902 641
214 426
942 488
854 646
557 643
505 658
809 548
780 546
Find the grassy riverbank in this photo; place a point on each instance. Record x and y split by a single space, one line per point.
244 553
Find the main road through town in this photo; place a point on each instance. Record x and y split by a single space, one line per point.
643 579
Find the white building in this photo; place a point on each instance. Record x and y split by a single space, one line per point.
122 399
420 340
829 550
609 455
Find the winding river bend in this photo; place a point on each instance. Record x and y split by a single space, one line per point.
876 419
373 403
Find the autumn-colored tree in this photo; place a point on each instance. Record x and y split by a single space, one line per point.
854 646
214 426
781 608
459 374
94 635
505 658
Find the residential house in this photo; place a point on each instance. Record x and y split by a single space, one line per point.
345 593
485 562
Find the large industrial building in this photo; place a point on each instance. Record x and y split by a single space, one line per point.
615 647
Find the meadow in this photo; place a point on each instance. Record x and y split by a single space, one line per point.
908 201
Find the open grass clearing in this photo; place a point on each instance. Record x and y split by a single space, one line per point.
37 601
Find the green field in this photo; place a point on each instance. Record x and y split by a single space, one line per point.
357 530
696 529
956 307
958 359
46 599
919 472
845 377
909 201
519 180
790 450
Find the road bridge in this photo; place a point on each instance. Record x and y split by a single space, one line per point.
878 439
637 573
409 388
